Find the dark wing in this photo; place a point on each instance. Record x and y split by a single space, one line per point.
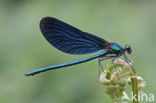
69 39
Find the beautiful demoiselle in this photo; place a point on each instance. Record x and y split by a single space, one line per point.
74 41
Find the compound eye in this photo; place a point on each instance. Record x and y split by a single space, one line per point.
128 49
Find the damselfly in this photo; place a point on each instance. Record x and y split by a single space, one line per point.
71 40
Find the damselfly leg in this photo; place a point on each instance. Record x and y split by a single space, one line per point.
100 68
129 62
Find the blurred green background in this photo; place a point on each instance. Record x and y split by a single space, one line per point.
23 48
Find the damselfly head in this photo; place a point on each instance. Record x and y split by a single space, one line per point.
128 49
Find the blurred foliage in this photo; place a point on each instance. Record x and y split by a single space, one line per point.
23 48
